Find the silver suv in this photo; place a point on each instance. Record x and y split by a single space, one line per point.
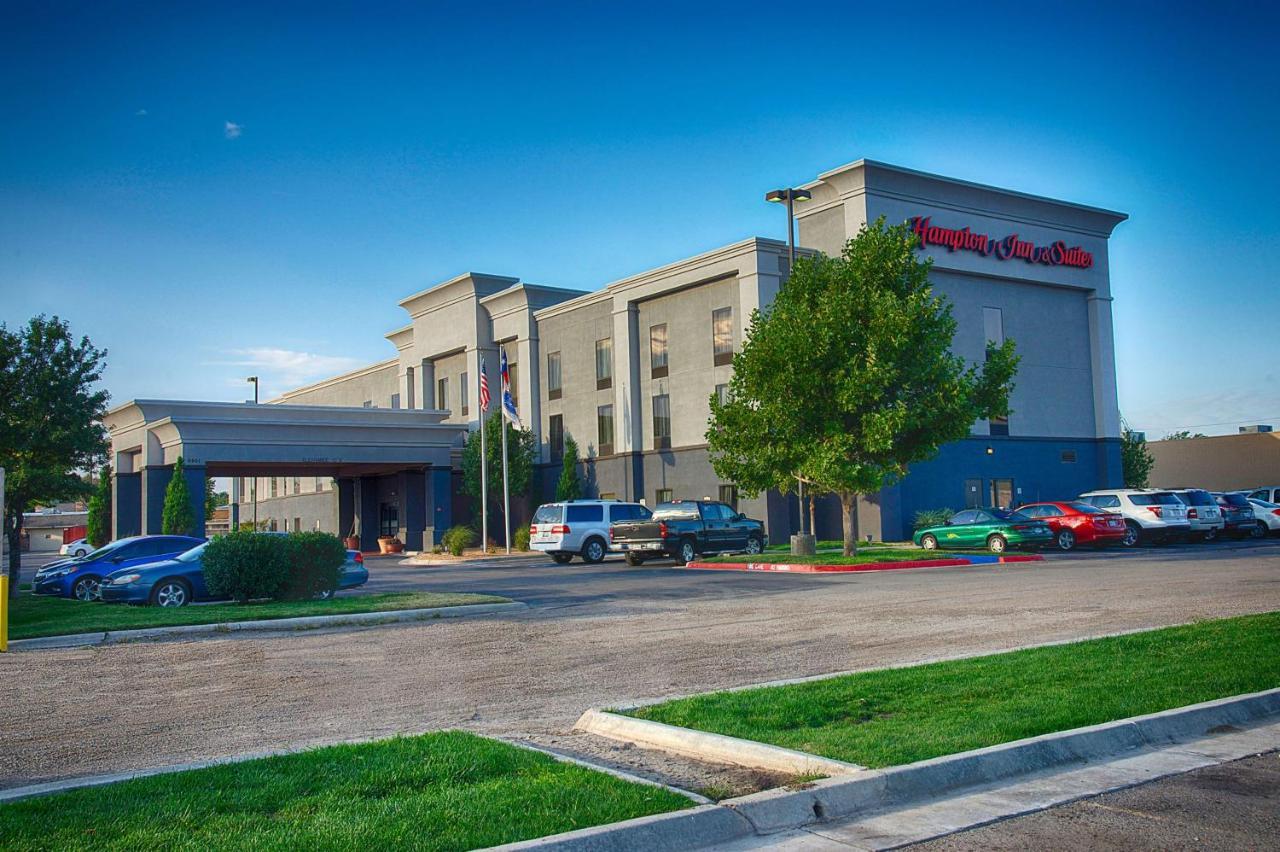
579 527
1203 514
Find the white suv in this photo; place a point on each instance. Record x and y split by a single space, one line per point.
1203 514
579 527
1149 513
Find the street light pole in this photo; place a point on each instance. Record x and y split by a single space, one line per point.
253 488
791 196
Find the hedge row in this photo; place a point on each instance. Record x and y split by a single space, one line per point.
248 565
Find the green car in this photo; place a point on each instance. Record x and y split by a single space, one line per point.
994 529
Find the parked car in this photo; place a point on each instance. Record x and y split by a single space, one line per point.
1268 515
579 527
1150 514
1269 493
995 529
1074 523
81 577
1237 511
75 549
1204 516
179 581
683 530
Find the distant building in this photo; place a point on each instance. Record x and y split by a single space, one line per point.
1261 427
1223 463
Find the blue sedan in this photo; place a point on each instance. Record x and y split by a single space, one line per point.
81 577
179 581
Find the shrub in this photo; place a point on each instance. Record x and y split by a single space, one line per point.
314 563
522 538
245 565
175 518
932 518
458 538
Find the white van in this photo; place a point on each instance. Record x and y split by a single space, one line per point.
579 527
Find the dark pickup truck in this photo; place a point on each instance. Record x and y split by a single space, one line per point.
685 529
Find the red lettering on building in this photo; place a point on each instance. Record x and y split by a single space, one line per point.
1012 246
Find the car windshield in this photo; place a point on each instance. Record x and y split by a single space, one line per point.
1006 515
1085 508
192 555
1236 500
106 550
551 513
1197 497
1168 498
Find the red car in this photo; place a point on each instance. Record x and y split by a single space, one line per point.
1076 523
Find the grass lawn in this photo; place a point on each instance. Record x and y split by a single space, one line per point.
448 790
865 555
837 546
31 616
897 716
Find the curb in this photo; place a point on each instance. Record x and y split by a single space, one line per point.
807 568
305 622
712 748
871 790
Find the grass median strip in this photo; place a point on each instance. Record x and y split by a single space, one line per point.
898 716
864 557
440 791
31 616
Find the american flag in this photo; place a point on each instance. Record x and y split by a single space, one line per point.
484 387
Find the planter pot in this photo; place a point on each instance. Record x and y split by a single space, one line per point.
395 546
352 542
384 544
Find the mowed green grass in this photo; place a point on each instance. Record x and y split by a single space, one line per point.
864 557
897 716
440 791
31 616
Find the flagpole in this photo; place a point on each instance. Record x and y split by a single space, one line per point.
506 491
484 477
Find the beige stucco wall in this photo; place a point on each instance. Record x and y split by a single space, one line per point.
1223 463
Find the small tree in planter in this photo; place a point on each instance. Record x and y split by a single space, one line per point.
570 486
176 517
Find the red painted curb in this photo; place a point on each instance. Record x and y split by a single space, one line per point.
805 568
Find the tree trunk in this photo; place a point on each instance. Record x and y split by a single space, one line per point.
849 507
813 518
15 555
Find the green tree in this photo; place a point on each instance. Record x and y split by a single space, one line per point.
848 378
1183 435
213 499
50 420
98 525
1136 460
522 450
175 518
570 486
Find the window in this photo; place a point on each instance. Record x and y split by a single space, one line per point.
627 512
464 394
662 495
273 486
722 394
999 426
555 437
1002 493
661 421
584 514
604 429
1106 501
729 496
658 351
968 516
722 335
297 524
395 402
388 519
442 392
319 484
553 375
297 485
604 363
993 327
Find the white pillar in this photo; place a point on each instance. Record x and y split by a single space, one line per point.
627 410
428 371
1106 403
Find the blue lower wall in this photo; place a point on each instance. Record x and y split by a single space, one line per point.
1034 464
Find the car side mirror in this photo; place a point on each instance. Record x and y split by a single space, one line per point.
742 516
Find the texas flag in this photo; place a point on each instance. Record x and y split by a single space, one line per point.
508 404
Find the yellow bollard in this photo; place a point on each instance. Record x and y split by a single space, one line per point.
4 612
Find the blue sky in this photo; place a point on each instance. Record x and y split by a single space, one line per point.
217 191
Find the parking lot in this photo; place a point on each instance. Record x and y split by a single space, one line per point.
594 635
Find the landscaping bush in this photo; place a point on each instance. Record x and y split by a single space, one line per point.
314 563
932 518
522 538
458 538
246 565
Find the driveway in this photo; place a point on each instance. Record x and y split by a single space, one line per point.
594 635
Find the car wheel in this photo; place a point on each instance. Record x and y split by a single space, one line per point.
171 593
87 589
593 551
1066 540
326 594
1210 534
562 558
1132 534
1259 531
929 542
755 546
688 551
997 544
80 552
635 560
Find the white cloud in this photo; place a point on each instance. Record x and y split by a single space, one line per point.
231 130
280 370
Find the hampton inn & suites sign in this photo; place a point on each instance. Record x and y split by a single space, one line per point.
1011 247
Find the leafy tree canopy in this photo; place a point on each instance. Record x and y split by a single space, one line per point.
1183 435
522 450
1136 460
848 378
98 524
570 486
175 518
